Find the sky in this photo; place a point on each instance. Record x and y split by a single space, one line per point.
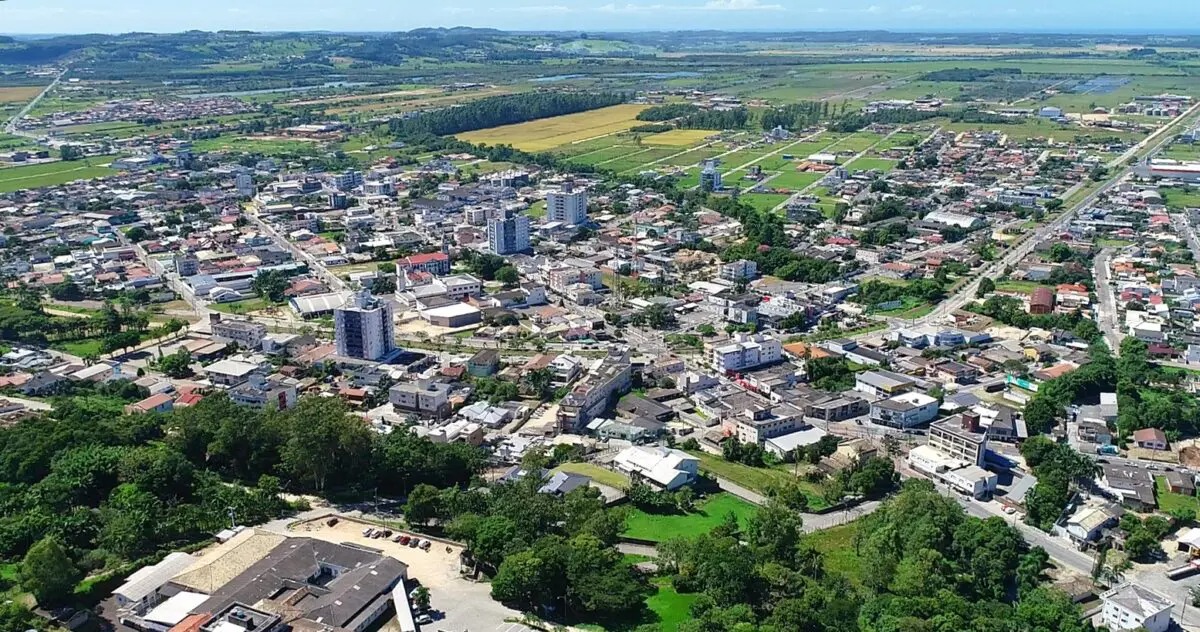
116 16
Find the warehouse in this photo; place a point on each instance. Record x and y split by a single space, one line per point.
453 316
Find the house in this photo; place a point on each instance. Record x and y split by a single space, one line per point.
485 363
904 411
1150 439
1133 607
783 446
1087 524
229 372
158 403
424 396
1133 486
663 468
1180 483
142 588
1094 432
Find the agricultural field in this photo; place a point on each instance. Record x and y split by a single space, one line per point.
51 174
867 164
679 137
19 94
557 131
262 145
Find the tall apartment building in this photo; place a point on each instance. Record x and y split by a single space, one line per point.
568 206
363 327
746 351
244 182
710 178
966 440
347 180
508 233
738 270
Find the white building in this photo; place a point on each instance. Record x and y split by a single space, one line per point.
904 411
710 177
564 280
244 182
363 328
247 334
141 589
508 233
1132 607
664 468
746 351
348 180
738 270
424 396
568 206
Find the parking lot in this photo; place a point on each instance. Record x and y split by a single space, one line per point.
465 605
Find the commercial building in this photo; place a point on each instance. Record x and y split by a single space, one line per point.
746 351
435 263
610 376
1133 607
904 411
1042 301
423 396
883 383
568 205
275 391
756 425
962 437
742 269
508 233
347 180
363 328
567 280
453 316
247 334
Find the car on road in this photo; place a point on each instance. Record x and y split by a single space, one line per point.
424 619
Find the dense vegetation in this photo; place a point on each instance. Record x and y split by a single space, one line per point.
110 489
927 567
504 110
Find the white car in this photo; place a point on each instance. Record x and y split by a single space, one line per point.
1010 511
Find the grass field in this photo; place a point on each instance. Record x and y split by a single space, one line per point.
1169 500
79 348
240 307
1182 198
867 164
596 473
249 144
794 180
708 514
678 137
764 201
1019 287
758 479
19 94
49 174
671 606
837 547
556 131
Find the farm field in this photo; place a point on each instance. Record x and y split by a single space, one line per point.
708 514
49 174
867 163
19 94
556 131
679 137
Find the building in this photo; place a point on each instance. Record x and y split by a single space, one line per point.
508 234
229 372
244 183
607 378
879 384
566 280
1150 439
662 468
435 263
904 411
275 391
740 270
568 206
756 425
485 363
157 403
247 334
1042 301
962 438
363 328
143 588
423 396
746 351
347 180
710 177
1132 607
453 316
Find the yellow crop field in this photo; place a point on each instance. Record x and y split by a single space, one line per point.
557 131
19 94
678 137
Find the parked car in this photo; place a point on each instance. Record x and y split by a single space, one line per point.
368 532
412 544
425 544
404 539
387 533
424 619
331 522
397 537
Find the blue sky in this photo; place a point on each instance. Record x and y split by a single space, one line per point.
77 16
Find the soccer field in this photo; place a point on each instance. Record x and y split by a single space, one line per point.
557 131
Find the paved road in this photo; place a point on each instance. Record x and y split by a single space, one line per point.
1107 314
11 126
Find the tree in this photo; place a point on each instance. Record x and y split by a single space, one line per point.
271 285
423 504
420 598
70 153
508 275
659 316
136 234
48 572
323 442
986 286
178 365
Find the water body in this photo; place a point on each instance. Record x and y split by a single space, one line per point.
249 93
554 78
679 74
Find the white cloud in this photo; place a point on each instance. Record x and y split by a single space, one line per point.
740 5
554 9
916 8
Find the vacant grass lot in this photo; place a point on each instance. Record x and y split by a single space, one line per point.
758 479
708 514
250 144
867 164
837 547
596 473
1019 287
49 174
1169 500
764 201
678 137
794 180
1182 198
556 131
671 606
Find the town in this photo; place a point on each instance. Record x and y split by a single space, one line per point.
679 357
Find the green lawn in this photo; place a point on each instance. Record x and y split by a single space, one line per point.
240 307
50 174
79 348
764 201
837 547
671 606
1021 287
537 210
708 514
596 473
1169 500
758 479
1178 198
866 164
1113 243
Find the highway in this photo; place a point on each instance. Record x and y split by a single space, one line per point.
11 126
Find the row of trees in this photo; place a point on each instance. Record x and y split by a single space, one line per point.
504 110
